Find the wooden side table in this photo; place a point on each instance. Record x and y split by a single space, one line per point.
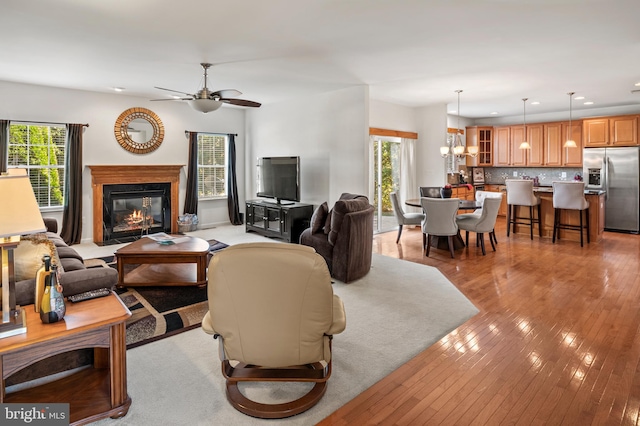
93 393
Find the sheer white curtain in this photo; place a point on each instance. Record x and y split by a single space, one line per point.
408 180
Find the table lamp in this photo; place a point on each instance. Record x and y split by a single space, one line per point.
19 215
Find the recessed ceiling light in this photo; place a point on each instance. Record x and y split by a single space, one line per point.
175 96
535 103
588 103
453 111
119 89
637 84
577 98
494 113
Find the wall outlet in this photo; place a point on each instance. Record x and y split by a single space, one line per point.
563 175
515 174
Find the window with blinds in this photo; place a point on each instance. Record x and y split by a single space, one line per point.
212 161
40 149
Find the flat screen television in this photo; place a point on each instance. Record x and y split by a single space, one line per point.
279 178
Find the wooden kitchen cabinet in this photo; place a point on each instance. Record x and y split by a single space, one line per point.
482 137
623 130
518 156
502 145
572 157
555 135
611 131
596 131
535 137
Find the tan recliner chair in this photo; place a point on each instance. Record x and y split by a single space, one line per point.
273 309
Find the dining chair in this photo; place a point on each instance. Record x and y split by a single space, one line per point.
570 196
430 191
483 223
440 221
480 197
402 217
520 193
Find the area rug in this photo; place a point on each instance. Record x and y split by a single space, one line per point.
159 312
393 313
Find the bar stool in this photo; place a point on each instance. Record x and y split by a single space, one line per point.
520 193
570 196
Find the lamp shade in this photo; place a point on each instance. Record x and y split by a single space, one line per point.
205 105
20 214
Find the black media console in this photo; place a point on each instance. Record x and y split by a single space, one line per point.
285 221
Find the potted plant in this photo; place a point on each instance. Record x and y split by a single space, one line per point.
445 191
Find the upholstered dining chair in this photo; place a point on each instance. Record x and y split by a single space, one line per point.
440 220
480 197
430 191
273 311
520 193
402 217
483 223
570 196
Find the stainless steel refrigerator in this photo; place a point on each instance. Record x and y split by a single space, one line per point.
616 171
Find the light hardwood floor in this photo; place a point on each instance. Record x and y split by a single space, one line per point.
557 339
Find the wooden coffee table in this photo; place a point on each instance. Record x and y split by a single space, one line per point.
92 393
183 263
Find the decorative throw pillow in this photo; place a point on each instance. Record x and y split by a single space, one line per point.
319 217
327 223
28 255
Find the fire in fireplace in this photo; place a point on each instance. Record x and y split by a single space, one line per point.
133 210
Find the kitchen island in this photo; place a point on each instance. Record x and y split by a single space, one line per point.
596 201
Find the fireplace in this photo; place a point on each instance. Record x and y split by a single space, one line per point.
138 198
132 210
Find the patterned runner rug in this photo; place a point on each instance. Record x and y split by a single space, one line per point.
159 312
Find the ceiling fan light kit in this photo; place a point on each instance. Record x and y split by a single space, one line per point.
204 105
206 101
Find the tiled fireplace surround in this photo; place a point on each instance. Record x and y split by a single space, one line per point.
139 174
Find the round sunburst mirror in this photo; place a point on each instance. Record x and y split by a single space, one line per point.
139 130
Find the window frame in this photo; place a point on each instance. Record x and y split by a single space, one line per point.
29 167
213 166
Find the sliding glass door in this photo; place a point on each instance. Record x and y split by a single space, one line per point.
386 179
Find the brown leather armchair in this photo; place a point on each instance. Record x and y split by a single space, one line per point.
274 320
346 239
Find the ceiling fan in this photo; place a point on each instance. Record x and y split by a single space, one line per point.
206 101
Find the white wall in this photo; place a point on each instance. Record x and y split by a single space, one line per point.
100 111
330 134
384 115
432 133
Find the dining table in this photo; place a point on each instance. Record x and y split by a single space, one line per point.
462 205
442 243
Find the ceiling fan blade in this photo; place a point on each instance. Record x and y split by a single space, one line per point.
176 91
241 102
226 93
172 99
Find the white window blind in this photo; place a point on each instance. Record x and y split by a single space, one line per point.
212 165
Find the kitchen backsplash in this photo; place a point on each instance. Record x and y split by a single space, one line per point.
546 175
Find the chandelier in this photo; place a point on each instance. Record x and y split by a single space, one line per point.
454 147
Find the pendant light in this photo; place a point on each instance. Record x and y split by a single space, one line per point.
456 147
525 144
570 143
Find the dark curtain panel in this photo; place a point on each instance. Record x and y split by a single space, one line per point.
71 231
4 144
232 184
191 199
